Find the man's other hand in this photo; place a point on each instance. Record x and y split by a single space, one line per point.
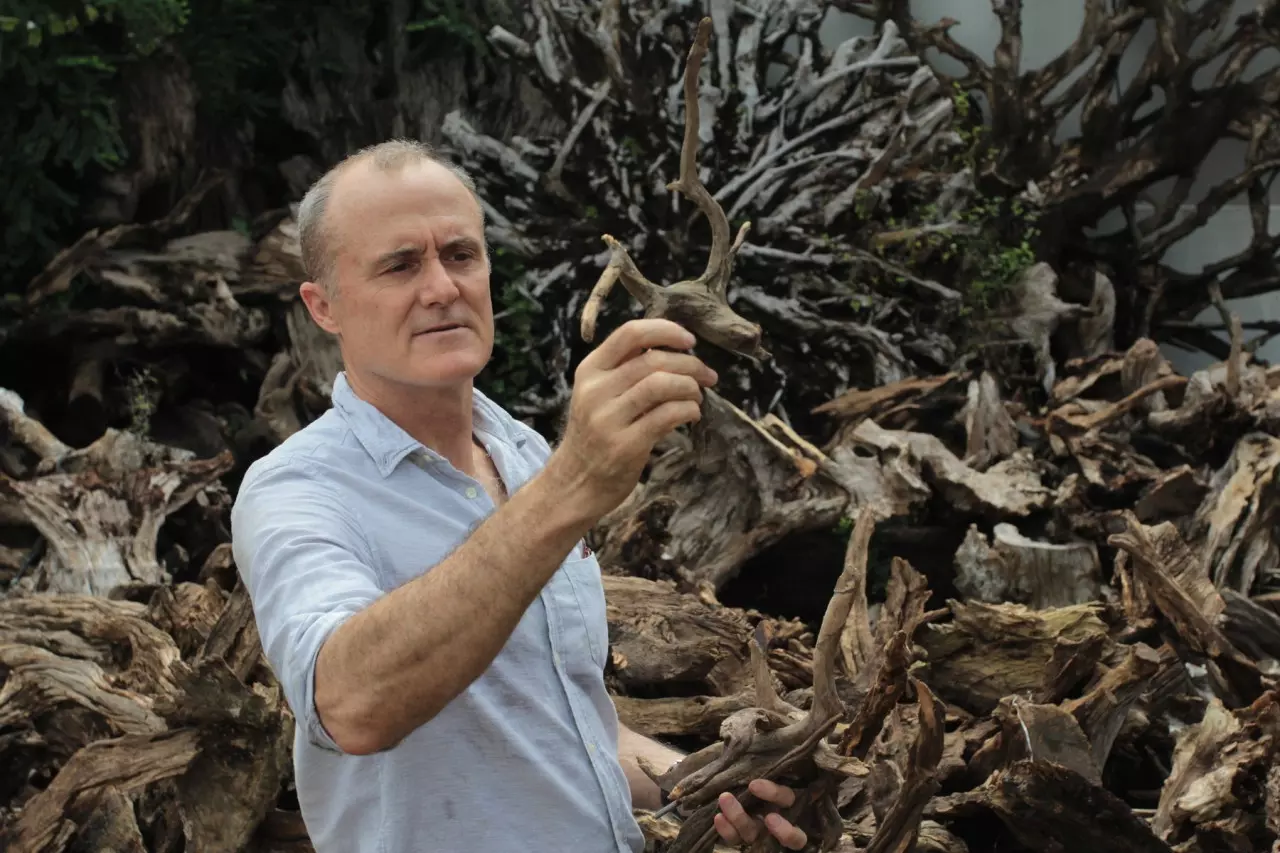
628 393
737 827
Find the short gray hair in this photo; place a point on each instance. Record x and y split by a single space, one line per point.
317 259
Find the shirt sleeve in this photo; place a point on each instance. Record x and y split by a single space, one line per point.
307 569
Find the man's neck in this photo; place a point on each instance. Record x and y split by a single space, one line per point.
440 418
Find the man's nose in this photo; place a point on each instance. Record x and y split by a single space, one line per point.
435 285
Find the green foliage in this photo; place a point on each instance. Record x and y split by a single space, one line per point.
982 251
63 64
997 247
59 120
236 50
996 252
449 24
142 390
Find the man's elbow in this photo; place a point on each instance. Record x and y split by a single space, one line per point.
356 728
361 742
361 713
366 720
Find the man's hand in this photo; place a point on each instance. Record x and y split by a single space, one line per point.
627 394
737 827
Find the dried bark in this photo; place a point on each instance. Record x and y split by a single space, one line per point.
747 486
133 733
1044 804
101 512
1217 790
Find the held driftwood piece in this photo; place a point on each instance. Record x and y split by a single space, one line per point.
801 158
701 304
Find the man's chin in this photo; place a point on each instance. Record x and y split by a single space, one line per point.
445 369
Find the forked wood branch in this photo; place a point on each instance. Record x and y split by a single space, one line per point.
699 304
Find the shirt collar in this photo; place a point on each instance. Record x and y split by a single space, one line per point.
388 444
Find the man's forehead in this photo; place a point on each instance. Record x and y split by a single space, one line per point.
399 206
423 187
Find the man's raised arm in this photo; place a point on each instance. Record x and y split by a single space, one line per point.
386 664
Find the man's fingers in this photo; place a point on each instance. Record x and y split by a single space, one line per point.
653 391
789 836
772 792
747 826
657 422
726 830
660 361
636 336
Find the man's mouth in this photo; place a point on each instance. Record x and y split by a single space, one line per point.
443 327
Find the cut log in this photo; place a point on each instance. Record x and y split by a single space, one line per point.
1039 574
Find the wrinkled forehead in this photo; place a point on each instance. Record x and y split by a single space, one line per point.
372 208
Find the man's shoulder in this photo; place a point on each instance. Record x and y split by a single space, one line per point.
310 454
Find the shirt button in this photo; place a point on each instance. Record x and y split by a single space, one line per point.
471 492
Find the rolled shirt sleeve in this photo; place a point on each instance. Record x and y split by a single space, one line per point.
307 569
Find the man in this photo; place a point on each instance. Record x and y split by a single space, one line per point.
415 556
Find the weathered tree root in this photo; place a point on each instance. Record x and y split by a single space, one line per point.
778 741
699 304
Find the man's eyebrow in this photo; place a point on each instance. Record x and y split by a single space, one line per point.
462 243
404 253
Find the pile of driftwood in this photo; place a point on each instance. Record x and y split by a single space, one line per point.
1086 661
1086 650
974 612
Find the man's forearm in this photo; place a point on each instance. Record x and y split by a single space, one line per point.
633 746
396 664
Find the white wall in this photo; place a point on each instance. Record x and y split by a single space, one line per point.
1048 28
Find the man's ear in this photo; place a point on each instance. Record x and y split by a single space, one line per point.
320 305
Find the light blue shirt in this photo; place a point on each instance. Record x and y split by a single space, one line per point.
347 510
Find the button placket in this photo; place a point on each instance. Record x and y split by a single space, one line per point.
614 797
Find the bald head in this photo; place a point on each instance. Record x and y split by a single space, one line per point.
314 233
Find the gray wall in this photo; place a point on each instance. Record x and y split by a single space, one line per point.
1048 28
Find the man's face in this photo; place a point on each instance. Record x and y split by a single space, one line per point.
412 304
